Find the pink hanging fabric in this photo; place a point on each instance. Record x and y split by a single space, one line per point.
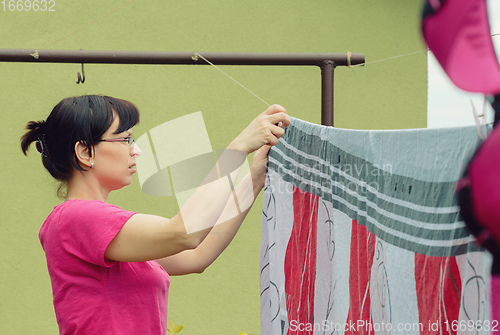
485 193
458 34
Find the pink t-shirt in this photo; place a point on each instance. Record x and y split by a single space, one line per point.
93 295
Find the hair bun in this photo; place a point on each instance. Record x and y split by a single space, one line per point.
36 133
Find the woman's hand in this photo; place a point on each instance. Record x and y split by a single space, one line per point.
258 170
262 130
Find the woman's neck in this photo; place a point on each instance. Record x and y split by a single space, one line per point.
84 187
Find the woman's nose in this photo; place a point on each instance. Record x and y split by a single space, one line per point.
136 150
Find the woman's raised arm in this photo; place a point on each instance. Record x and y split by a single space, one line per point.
146 237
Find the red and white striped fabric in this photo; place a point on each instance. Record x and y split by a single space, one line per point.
372 259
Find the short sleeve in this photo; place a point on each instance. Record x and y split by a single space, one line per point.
87 227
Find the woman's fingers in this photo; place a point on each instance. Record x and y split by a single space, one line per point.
262 152
275 109
279 117
277 114
264 129
277 131
275 117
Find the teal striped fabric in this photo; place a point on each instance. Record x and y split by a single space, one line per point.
398 183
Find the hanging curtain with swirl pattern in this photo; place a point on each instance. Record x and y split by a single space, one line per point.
361 234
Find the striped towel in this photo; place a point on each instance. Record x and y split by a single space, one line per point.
361 235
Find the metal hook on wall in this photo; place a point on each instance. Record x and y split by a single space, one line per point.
81 77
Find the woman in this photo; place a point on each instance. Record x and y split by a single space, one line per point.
109 267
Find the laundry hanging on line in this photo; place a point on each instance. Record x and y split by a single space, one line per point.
361 234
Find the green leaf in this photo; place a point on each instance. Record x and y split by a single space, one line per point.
178 329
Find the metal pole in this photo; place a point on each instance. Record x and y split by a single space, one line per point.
326 61
188 58
327 95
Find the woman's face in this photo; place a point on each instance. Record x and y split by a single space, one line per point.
114 162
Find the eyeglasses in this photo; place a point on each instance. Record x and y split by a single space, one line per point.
129 140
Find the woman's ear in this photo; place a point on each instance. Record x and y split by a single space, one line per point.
83 155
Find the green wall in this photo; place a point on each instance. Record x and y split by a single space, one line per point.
225 299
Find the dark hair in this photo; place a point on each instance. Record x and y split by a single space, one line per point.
76 119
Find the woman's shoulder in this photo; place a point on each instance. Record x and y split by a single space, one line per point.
77 208
79 205
72 215
77 215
